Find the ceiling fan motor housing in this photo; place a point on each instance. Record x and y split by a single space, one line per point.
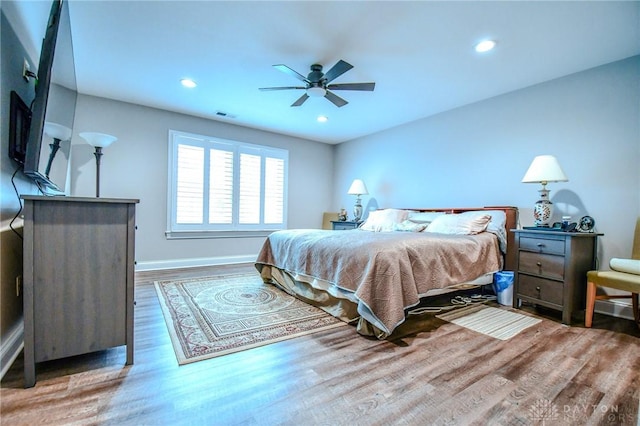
316 75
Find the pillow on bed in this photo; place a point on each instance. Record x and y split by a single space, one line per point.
497 225
410 226
461 224
498 222
384 220
423 217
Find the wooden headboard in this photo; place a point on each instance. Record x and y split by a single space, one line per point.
511 223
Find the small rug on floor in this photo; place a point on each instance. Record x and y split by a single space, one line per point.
490 321
213 316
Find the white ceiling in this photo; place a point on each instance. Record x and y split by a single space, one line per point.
419 53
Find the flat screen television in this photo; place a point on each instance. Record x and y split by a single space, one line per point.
48 146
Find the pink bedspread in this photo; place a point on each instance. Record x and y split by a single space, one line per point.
386 271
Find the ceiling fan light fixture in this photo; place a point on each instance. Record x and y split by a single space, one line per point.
316 91
322 119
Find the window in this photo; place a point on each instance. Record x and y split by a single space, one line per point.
219 187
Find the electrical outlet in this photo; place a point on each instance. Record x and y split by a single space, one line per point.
18 285
26 70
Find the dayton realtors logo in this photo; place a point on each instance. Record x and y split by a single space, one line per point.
545 412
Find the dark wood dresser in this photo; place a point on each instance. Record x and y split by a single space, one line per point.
78 277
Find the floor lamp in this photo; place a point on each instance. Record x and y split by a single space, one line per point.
59 134
98 141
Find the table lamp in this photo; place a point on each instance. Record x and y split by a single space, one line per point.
357 188
544 169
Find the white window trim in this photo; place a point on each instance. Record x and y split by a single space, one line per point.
198 231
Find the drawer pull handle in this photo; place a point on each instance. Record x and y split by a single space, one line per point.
538 263
540 245
538 289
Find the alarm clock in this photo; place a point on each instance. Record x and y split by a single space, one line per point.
586 224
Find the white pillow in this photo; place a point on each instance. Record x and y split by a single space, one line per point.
423 217
384 220
461 224
497 226
630 266
410 226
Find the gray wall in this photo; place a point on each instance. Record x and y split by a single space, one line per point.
477 155
13 54
136 166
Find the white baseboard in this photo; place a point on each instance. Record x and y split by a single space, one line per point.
615 308
11 347
190 263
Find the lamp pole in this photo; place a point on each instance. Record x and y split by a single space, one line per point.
98 154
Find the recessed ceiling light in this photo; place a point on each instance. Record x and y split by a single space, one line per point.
485 46
187 82
322 119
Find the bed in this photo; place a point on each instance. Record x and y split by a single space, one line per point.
372 276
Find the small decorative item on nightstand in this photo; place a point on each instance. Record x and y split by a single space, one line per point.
342 216
586 224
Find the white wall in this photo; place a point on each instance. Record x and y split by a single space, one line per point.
477 155
135 166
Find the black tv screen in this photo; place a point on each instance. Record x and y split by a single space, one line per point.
19 122
53 108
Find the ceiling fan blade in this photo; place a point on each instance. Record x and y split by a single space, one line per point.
335 99
353 86
285 69
337 70
265 89
300 100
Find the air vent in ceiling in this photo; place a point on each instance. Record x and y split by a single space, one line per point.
224 114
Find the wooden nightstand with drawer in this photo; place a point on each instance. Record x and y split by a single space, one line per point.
551 269
341 225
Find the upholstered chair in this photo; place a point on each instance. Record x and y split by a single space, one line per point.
624 275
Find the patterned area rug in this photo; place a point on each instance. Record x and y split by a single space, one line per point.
494 322
209 317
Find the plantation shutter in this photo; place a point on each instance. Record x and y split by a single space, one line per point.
190 184
221 185
274 190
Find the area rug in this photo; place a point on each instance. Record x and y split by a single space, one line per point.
498 323
213 316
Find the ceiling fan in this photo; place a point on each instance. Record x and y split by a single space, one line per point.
317 83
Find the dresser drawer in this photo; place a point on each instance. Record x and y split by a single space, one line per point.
541 289
547 265
542 245
342 226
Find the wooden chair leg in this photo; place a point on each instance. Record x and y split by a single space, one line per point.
636 308
591 301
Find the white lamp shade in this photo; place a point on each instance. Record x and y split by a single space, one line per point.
57 131
95 139
544 168
357 188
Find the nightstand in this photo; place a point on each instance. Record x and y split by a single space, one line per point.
551 269
339 225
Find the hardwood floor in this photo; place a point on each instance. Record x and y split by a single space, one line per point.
432 372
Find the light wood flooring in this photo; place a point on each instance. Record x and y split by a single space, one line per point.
432 372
